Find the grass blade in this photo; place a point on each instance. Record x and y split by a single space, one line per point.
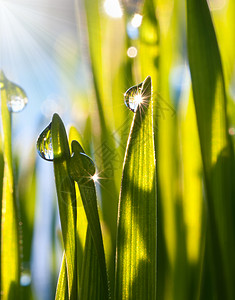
81 170
27 189
10 263
62 286
66 200
193 201
1 186
95 25
217 155
136 240
81 215
91 273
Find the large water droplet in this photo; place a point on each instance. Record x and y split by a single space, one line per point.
16 97
132 97
44 144
139 95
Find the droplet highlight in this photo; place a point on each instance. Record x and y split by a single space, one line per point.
44 144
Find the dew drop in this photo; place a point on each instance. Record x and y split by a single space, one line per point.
132 97
44 144
25 278
16 103
16 96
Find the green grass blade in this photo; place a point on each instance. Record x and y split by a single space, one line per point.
66 199
192 199
149 42
10 264
62 285
81 215
27 195
81 170
95 26
217 155
91 279
136 240
1 186
27 188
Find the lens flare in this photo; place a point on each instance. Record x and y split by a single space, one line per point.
95 177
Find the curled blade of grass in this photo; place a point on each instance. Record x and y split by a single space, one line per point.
81 170
137 228
217 154
10 263
66 199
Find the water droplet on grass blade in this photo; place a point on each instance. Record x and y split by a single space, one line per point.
44 144
16 97
132 97
16 103
25 278
138 95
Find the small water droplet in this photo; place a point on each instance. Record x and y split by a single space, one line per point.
132 97
16 103
25 278
44 144
16 97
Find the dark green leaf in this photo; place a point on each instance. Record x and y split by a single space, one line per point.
217 154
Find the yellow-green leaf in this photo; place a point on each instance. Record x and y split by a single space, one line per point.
10 262
81 170
137 240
